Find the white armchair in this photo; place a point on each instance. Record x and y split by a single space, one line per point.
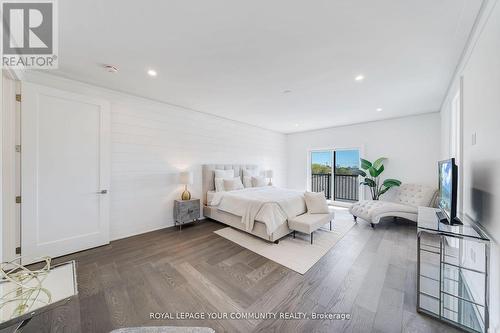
404 203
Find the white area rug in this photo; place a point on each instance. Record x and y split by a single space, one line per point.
297 254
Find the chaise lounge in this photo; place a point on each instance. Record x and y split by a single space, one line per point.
403 202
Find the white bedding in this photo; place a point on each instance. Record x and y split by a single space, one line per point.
269 204
210 197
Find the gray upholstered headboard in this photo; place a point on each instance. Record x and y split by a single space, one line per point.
207 174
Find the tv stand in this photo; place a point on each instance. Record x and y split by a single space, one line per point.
450 286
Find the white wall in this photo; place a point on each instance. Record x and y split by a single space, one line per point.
1 166
480 72
411 145
152 142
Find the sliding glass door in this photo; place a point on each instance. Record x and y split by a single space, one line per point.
321 172
332 173
346 184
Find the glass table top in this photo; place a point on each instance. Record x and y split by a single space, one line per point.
427 220
19 302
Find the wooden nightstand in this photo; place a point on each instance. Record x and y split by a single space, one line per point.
186 211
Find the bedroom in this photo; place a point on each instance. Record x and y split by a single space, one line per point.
134 114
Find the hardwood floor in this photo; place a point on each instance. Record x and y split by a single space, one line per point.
369 274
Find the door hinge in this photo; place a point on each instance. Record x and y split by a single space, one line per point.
18 148
18 97
18 250
18 199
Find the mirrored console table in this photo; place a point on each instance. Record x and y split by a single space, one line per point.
452 271
46 303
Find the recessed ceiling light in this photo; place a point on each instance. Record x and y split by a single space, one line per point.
359 78
152 72
296 125
111 68
379 109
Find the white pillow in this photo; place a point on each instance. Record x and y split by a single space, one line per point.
220 175
249 172
247 181
225 174
219 184
258 181
316 203
233 184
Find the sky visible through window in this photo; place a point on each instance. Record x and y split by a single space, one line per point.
345 158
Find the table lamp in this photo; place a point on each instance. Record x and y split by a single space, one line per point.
269 174
186 178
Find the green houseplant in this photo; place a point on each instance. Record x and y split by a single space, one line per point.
371 173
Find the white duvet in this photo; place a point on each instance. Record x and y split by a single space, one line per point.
270 205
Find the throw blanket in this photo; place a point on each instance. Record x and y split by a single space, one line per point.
270 205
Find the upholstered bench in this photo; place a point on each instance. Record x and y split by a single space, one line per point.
308 223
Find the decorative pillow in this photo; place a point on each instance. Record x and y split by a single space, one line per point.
220 175
249 172
258 181
247 181
219 184
316 203
233 184
224 174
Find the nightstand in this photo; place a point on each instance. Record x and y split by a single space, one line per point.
186 211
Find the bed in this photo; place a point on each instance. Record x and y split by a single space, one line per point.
262 212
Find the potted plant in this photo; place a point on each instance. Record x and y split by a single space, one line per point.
371 173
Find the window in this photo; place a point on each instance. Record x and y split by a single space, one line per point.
321 172
332 173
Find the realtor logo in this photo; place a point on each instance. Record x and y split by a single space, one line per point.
29 34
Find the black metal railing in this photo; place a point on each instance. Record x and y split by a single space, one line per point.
321 182
346 187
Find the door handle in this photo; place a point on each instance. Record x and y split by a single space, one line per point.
102 192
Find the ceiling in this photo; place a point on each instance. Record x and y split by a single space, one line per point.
283 65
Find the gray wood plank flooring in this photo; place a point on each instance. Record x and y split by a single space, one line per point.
370 274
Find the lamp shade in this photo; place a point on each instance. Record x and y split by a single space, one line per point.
269 173
186 177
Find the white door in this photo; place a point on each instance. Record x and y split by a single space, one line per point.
64 172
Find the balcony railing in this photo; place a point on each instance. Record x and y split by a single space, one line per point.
346 187
321 182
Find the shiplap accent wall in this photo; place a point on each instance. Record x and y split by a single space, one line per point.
153 141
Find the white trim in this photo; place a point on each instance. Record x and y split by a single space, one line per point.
9 205
361 151
17 163
166 226
456 137
13 74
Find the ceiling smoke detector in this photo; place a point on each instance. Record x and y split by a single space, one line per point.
110 68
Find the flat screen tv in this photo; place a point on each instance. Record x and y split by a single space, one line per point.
448 182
